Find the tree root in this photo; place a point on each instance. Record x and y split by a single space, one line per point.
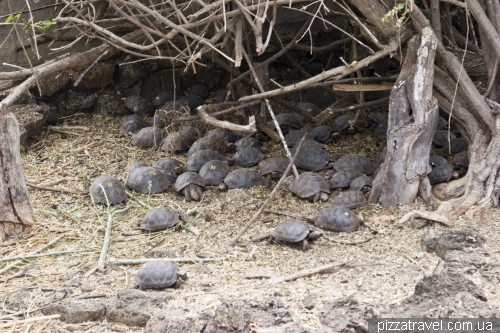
431 216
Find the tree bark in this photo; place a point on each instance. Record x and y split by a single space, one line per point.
16 214
413 113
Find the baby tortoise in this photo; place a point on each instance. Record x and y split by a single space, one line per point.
132 124
191 185
310 186
292 231
214 172
338 219
107 189
147 180
350 199
241 178
273 168
157 274
148 137
160 218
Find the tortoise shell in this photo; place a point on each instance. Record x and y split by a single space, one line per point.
287 119
191 101
214 172
350 199
440 174
343 178
132 124
247 142
341 123
320 133
200 90
273 164
436 160
360 183
188 178
168 166
308 184
312 158
338 219
457 145
461 159
196 160
217 143
293 137
156 274
440 138
162 98
442 123
310 108
178 141
355 162
139 105
247 157
147 180
160 218
243 178
148 137
291 230
107 187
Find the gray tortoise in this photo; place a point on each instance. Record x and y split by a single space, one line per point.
107 189
191 185
160 218
157 274
292 231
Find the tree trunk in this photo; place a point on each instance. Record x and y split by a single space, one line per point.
413 113
15 207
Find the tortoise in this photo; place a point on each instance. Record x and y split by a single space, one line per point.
230 136
160 218
200 90
457 145
272 168
178 141
146 180
311 158
132 124
107 189
350 199
310 108
436 160
217 143
442 123
293 137
310 144
361 183
287 122
139 105
247 142
247 157
461 159
221 96
133 165
197 159
319 96
214 172
162 98
355 162
191 185
292 231
169 166
322 133
157 274
342 124
440 138
300 118
162 118
242 178
440 174
148 137
343 178
174 106
379 124
310 186
338 219
191 101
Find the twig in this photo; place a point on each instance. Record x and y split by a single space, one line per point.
217 113
30 320
308 272
29 256
85 72
88 146
183 259
105 245
52 189
268 200
258 276
352 242
250 128
20 261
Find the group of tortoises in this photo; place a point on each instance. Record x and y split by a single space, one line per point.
226 160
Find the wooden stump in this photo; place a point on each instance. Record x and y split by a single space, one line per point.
16 214
413 113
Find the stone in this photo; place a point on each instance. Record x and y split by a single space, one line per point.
77 310
99 77
110 104
31 118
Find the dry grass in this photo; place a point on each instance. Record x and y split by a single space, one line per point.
388 266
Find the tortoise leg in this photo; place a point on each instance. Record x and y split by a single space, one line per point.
193 193
316 197
187 195
268 180
305 244
199 192
323 197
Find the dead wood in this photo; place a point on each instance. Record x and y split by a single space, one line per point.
312 271
413 113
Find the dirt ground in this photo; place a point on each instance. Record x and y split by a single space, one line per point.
384 269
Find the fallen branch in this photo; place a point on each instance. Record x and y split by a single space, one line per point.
183 259
258 276
20 261
88 146
311 271
352 242
29 256
431 216
52 189
107 235
268 200
250 128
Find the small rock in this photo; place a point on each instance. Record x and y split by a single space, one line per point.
279 293
77 310
161 252
428 241
237 195
309 302
202 268
87 287
19 300
174 321
228 319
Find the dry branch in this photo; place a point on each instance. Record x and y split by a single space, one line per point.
311 271
250 128
184 260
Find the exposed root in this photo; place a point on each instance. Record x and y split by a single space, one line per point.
431 216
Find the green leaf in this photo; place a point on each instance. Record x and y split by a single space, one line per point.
18 15
46 22
9 18
400 6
